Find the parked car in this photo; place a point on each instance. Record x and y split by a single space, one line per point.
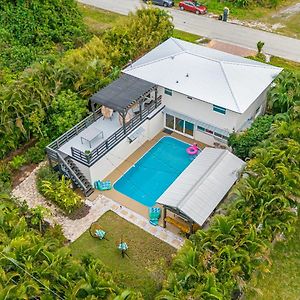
194 7
165 3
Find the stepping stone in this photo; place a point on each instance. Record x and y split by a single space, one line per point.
153 230
124 212
176 243
163 235
142 223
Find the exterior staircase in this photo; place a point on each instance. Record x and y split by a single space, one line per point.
71 171
84 184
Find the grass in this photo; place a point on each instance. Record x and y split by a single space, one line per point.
97 19
148 256
281 62
189 37
283 281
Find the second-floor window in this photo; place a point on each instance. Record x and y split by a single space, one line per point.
168 92
219 109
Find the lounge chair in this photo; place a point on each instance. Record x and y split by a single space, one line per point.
154 215
102 185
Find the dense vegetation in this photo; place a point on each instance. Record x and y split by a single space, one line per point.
37 30
36 265
242 142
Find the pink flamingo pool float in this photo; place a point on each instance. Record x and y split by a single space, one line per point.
192 150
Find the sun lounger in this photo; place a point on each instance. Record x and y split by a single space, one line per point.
102 185
154 215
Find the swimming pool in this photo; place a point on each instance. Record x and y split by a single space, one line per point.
147 180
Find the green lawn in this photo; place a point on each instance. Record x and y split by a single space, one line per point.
283 281
97 19
148 256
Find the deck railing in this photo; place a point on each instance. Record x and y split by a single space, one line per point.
75 130
89 159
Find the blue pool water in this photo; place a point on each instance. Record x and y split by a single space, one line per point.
147 180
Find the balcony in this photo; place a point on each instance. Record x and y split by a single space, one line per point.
129 101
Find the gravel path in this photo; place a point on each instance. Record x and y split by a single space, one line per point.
72 229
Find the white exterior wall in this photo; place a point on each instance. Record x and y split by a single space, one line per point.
250 114
123 150
200 110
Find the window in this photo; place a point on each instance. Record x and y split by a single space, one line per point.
169 121
168 92
209 131
200 128
218 134
189 97
219 109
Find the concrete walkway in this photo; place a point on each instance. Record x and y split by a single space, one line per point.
73 229
275 44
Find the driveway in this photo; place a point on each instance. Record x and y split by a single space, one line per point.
275 44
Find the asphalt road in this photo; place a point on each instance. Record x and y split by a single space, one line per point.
275 44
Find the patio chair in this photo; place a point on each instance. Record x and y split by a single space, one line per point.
96 231
154 215
103 185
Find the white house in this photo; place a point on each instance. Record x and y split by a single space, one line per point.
196 91
213 92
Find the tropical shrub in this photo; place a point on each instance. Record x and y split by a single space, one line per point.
45 173
37 153
242 142
5 178
33 265
58 190
17 162
66 110
285 93
217 263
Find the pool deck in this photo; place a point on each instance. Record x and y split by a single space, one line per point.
127 164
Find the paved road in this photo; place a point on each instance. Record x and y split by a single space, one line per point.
275 44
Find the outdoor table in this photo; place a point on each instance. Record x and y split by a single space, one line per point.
90 134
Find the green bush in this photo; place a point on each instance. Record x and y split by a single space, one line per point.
66 110
61 193
5 178
243 142
17 162
57 190
36 154
285 93
45 173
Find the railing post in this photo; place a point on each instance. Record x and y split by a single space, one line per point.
155 97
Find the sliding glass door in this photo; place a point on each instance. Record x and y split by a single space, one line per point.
179 125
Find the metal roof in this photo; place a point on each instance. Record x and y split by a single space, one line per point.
122 92
213 76
203 184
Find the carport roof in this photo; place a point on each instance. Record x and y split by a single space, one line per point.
123 92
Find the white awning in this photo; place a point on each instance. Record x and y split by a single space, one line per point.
203 184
